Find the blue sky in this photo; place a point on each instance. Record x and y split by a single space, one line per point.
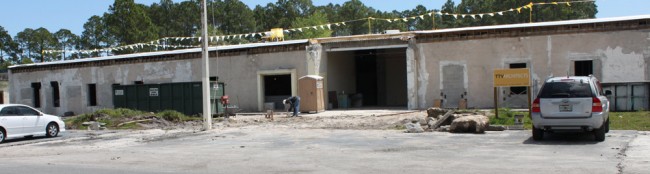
16 15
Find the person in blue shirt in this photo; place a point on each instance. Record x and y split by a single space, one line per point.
294 105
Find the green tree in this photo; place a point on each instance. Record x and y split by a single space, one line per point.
128 23
94 36
232 17
318 18
354 10
67 41
8 47
25 43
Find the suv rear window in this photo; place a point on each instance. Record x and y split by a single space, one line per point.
566 89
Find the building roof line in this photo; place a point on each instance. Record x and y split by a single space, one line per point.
160 53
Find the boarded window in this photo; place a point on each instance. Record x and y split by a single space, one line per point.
92 94
584 68
55 94
518 90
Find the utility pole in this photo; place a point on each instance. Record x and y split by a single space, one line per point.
205 67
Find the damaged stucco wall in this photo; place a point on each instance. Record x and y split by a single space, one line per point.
618 56
238 72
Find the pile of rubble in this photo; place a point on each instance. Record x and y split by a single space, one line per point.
445 120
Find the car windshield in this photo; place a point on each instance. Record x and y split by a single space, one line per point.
566 89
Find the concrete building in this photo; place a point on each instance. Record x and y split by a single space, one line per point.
405 70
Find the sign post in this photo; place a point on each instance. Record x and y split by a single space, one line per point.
510 78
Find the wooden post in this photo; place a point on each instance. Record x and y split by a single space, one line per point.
530 94
433 18
496 104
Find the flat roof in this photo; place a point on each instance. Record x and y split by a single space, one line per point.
159 53
345 38
538 24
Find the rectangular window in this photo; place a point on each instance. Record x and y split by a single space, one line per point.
92 94
517 90
55 93
138 82
584 68
36 87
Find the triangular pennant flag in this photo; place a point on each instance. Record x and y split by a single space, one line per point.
462 16
286 31
519 10
491 14
337 24
322 27
248 35
473 16
511 9
413 17
455 16
314 27
300 29
431 14
343 23
568 4
390 21
329 26
438 13
422 16
480 15
405 19
199 39
554 3
500 13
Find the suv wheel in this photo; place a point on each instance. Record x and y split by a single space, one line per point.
599 134
538 134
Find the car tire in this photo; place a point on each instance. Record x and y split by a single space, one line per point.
599 134
607 126
538 134
3 135
52 130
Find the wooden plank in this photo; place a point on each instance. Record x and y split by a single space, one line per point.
443 119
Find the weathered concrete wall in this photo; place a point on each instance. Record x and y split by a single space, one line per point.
621 55
341 75
238 72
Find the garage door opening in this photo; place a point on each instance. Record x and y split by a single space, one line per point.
367 78
276 88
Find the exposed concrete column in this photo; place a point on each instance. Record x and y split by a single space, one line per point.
412 74
314 55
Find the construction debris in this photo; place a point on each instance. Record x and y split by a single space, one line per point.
413 127
469 124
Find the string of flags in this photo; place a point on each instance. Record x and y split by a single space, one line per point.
165 43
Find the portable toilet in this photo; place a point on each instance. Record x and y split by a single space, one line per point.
310 90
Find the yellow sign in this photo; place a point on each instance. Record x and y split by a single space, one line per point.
511 77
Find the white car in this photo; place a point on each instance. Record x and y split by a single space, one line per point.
571 103
18 120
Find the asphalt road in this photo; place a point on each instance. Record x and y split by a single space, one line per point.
287 150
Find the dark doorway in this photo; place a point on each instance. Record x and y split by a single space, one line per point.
584 68
277 88
55 93
36 87
366 76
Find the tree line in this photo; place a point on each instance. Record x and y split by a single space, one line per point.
127 22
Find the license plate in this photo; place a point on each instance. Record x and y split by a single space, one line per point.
566 108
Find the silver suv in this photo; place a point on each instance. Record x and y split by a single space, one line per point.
571 103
